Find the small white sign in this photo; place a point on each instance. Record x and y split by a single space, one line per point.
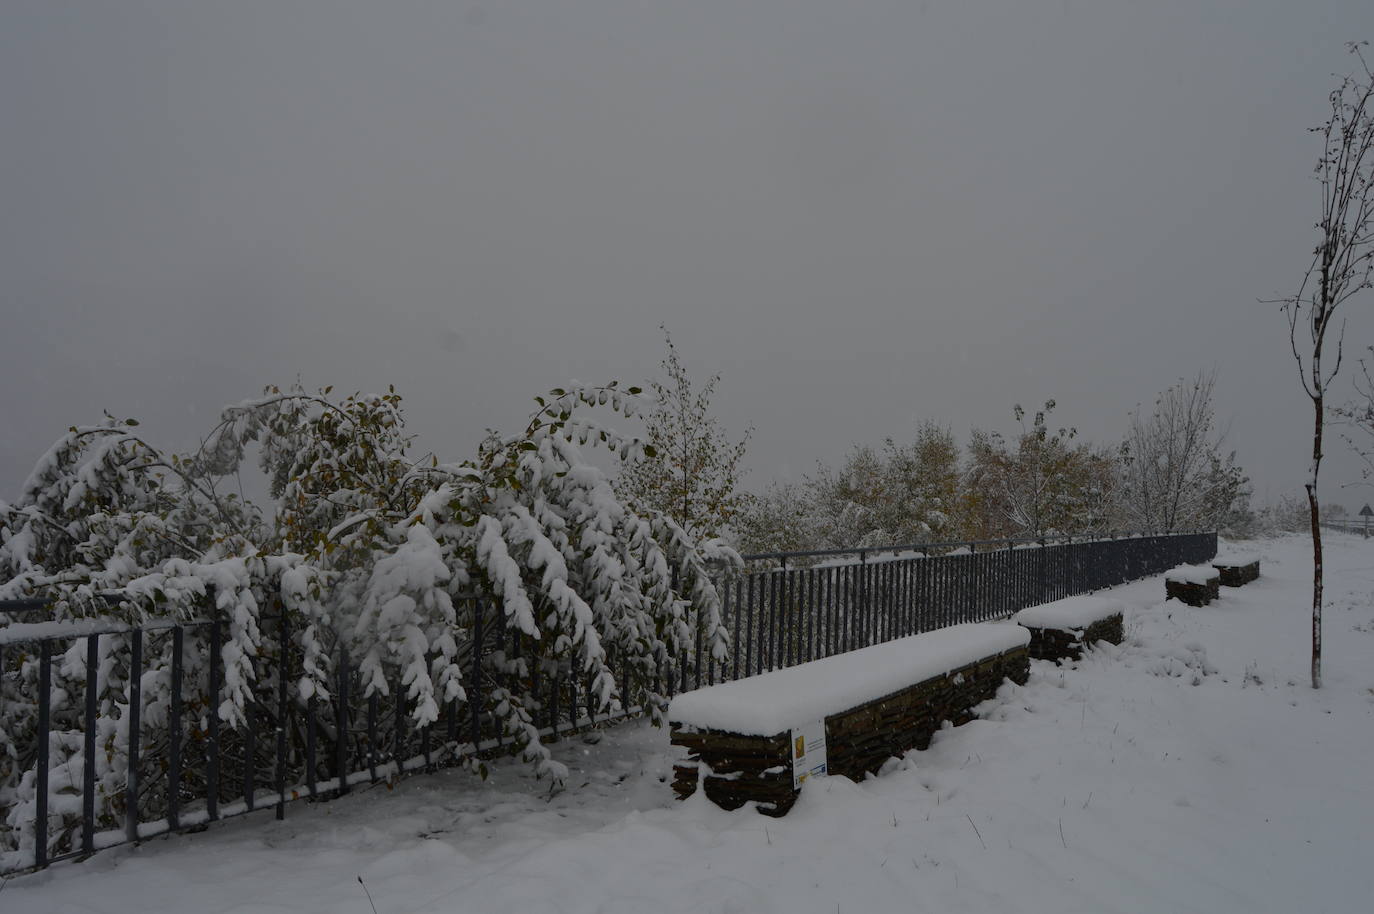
808 752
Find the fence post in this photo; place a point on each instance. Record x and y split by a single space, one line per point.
863 596
475 696
174 740
40 825
88 747
135 709
283 677
1040 567
784 619
341 721
212 742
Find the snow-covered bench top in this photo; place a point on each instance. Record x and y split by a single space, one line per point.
1231 559
1192 574
1070 614
778 701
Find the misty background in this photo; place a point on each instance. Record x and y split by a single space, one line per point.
861 214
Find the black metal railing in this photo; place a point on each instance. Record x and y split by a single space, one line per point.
130 767
780 614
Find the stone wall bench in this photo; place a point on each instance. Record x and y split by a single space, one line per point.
1196 585
1237 570
1060 630
871 704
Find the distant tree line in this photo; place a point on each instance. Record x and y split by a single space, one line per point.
1169 472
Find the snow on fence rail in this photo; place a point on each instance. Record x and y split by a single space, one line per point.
83 784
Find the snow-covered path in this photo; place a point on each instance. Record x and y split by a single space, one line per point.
1191 769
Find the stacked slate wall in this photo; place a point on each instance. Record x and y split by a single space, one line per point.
1068 644
1237 575
1193 594
858 741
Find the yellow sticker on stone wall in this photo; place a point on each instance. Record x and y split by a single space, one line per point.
808 752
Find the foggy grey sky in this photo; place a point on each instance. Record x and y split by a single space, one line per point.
862 214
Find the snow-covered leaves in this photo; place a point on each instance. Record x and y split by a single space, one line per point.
693 470
458 582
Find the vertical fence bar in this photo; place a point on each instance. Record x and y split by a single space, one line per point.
310 741
341 722
474 698
40 825
372 754
135 732
784 618
894 598
977 606
682 666
881 604
772 617
572 695
853 606
975 569
847 573
283 677
922 601
212 748
947 587
968 597
827 588
398 724
908 603
839 579
812 614
749 627
869 598
734 654
250 753
554 685
873 599
958 588
698 655
894 588
796 628
88 747
935 610
863 601
174 747
980 585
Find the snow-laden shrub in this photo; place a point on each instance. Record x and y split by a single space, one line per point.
367 552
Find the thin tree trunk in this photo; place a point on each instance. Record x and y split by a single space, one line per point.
1317 403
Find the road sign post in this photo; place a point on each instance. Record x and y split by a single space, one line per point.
1366 512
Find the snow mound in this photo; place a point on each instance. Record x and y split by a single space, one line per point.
1071 613
1192 574
778 701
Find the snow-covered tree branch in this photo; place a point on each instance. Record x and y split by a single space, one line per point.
399 564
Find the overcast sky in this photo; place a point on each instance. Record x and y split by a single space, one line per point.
861 214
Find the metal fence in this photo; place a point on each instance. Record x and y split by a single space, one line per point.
190 769
781 616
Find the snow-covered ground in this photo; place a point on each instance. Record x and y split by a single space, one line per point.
1190 769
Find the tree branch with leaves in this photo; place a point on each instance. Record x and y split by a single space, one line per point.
691 471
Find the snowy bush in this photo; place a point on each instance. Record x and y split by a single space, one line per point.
394 563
